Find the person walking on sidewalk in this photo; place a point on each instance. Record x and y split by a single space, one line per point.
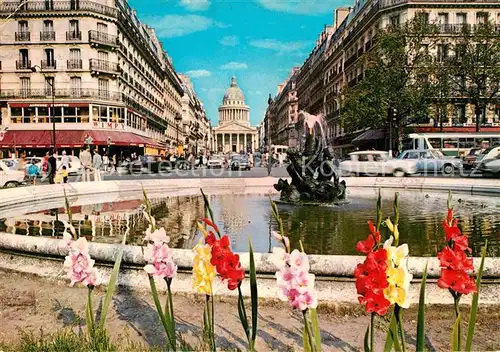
97 164
52 168
86 161
105 162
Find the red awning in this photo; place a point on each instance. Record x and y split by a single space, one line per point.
72 139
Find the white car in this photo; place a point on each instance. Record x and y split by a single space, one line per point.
215 161
376 163
486 155
10 178
75 166
491 166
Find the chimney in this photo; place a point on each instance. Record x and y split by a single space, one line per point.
340 15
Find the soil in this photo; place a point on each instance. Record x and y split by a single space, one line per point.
29 303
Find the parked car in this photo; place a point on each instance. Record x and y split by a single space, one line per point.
377 163
470 158
11 163
432 161
239 162
215 161
10 178
75 166
491 167
149 164
486 155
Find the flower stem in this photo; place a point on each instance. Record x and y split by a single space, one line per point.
90 313
456 299
372 332
399 318
163 320
308 330
171 313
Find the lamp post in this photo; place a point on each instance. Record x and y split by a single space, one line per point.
52 113
178 119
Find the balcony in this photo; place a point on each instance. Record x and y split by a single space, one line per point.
73 36
60 93
104 66
23 36
47 36
9 7
74 65
48 65
23 65
103 39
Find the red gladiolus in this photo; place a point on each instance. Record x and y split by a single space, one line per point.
453 260
211 224
371 279
373 239
226 263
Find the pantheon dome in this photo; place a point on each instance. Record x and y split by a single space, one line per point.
234 133
233 106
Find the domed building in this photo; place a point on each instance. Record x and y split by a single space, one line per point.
234 133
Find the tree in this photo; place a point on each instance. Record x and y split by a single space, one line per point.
395 90
475 67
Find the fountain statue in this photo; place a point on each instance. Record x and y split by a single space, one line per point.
312 170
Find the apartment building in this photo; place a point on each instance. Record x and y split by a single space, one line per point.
94 69
334 61
195 124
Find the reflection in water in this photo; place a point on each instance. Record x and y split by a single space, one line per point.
322 230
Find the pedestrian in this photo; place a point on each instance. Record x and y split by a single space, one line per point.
33 172
114 161
105 162
97 164
86 161
280 159
64 160
200 164
190 161
52 167
64 174
45 165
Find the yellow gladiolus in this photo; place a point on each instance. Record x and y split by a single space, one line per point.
398 276
203 229
203 271
393 228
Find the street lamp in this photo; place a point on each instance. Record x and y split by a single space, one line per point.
51 84
178 119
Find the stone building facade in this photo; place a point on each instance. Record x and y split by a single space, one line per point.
109 76
234 132
334 61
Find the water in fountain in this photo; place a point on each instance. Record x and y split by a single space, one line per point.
312 170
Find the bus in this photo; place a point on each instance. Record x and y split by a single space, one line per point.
451 144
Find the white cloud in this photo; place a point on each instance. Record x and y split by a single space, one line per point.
198 73
234 66
195 5
230 40
170 26
302 7
256 92
278 46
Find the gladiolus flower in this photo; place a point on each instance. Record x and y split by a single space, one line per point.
78 264
373 239
203 270
398 276
453 259
158 255
279 257
393 228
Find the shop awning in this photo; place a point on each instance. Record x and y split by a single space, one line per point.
73 139
368 136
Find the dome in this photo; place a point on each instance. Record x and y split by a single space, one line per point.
233 94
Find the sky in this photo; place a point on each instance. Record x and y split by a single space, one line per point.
258 41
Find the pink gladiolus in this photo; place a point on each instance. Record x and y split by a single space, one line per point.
158 255
79 265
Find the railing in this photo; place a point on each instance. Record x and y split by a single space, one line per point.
23 65
350 60
48 64
60 93
389 3
140 108
47 35
56 6
103 38
74 64
23 36
104 66
73 35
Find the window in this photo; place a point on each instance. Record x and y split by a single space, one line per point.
102 55
49 61
48 26
482 17
103 85
394 20
435 143
22 26
443 18
24 61
102 27
76 86
49 4
460 116
43 115
363 157
49 86
411 155
75 4
461 18
423 17
25 86
442 52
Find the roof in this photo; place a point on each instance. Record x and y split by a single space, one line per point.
233 93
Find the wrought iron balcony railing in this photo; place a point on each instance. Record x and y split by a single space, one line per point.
73 35
98 65
74 64
9 7
47 36
102 38
22 36
48 64
23 65
77 93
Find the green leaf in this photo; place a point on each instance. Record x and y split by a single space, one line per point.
112 283
243 315
392 335
159 309
455 337
315 329
89 316
475 301
367 342
421 313
254 296
305 339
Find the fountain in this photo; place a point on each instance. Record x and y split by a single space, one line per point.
312 170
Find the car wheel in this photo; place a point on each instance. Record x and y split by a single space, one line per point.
353 174
11 184
448 169
398 173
